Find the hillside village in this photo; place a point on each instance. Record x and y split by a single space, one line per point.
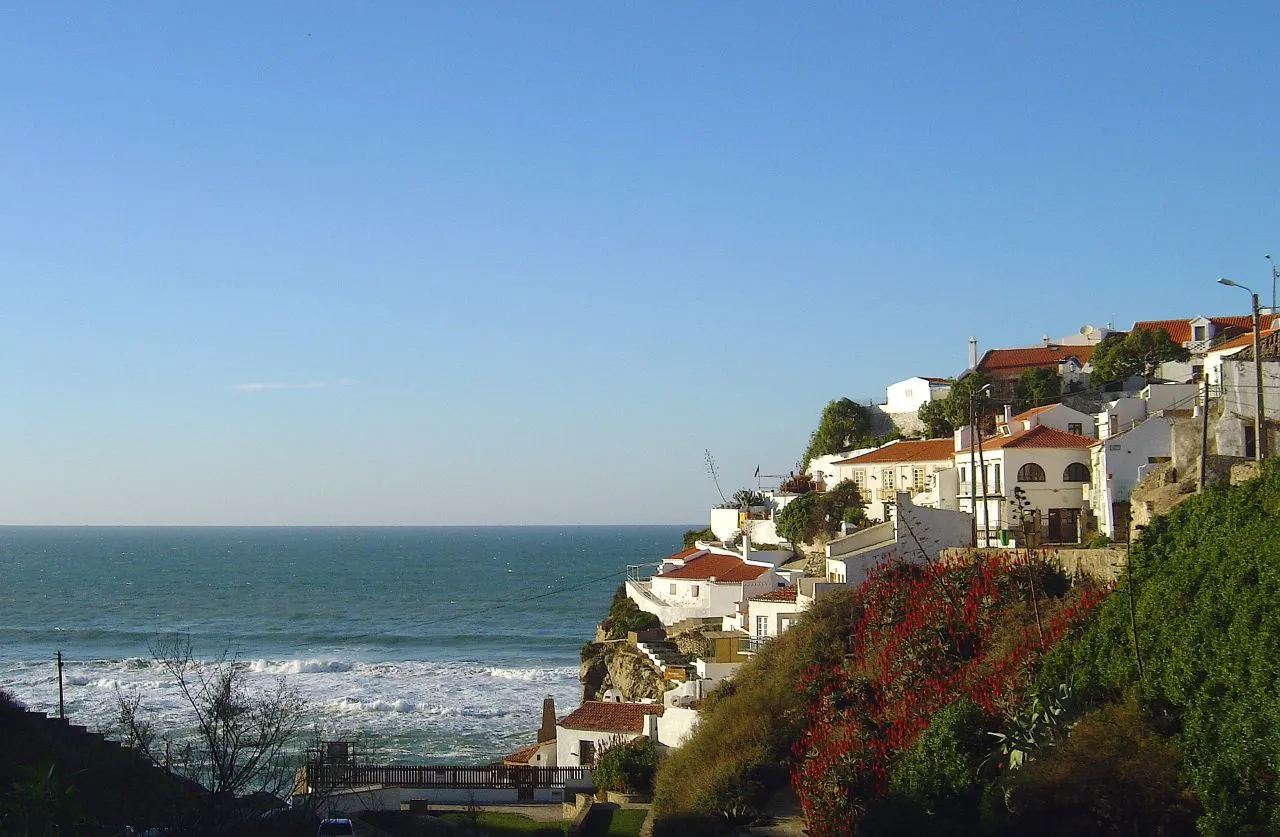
1084 466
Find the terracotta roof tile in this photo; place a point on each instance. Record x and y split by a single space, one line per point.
684 554
1016 361
606 716
1040 436
1026 414
1180 330
714 565
1241 341
911 450
782 594
522 756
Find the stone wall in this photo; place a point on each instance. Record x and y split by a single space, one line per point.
1103 564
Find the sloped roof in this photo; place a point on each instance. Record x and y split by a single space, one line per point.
1241 341
1026 414
906 450
1016 361
606 716
522 756
1180 330
1040 436
782 594
729 568
684 554
937 380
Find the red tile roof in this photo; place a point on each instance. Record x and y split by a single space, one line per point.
1040 436
938 380
522 756
720 567
1015 361
782 594
909 450
1180 330
1026 414
1241 341
684 554
606 716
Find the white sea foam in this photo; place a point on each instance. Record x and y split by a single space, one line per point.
424 709
299 666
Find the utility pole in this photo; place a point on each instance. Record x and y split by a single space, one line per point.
973 469
62 708
1204 430
1259 427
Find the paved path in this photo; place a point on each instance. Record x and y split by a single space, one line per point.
783 817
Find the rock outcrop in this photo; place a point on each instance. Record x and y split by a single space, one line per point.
621 666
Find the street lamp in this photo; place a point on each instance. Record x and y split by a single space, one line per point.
1259 432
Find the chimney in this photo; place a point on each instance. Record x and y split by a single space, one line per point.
1008 414
973 353
1044 341
547 732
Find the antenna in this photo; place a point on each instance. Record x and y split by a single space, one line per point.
1273 282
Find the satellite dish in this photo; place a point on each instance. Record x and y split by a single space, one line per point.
1086 329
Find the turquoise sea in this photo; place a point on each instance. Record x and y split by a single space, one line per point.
432 644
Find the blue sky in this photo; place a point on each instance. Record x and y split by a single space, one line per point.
524 262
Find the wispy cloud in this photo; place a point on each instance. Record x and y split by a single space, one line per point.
264 386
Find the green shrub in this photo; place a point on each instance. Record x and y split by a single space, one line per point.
692 535
1098 541
624 616
627 768
1205 581
738 753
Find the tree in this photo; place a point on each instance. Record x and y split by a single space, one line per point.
241 732
820 513
843 424
1120 356
933 415
1036 387
942 418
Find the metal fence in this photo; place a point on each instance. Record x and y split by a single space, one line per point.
441 776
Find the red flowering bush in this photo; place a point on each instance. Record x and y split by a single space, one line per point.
927 637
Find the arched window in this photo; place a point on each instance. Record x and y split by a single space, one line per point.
1031 472
1075 473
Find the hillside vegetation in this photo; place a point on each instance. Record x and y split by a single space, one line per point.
1001 697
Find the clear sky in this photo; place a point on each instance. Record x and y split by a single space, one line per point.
523 262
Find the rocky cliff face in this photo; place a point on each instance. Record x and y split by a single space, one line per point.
621 666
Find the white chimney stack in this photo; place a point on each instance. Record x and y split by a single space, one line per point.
973 353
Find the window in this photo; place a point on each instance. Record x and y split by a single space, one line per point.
695 591
1076 428
1113 425
1075 473
994 483
673 588
860 480
886 479
762 626
1031 472
1198 332
918 479
586 752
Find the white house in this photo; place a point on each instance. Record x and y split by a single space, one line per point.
1058 416
1118 462
1118 415
702 583
912 533
1199 335
904 399
596 725
770 614
1048 465
1004 366
915 466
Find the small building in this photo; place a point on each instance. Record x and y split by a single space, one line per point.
1118 463
912 533
908 465
596 725
702 583
1025 483
1005 366
1058 416
771 614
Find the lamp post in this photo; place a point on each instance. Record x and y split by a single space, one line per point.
1259 431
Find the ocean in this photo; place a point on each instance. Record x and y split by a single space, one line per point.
425 644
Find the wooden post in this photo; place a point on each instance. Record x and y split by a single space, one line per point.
62 709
